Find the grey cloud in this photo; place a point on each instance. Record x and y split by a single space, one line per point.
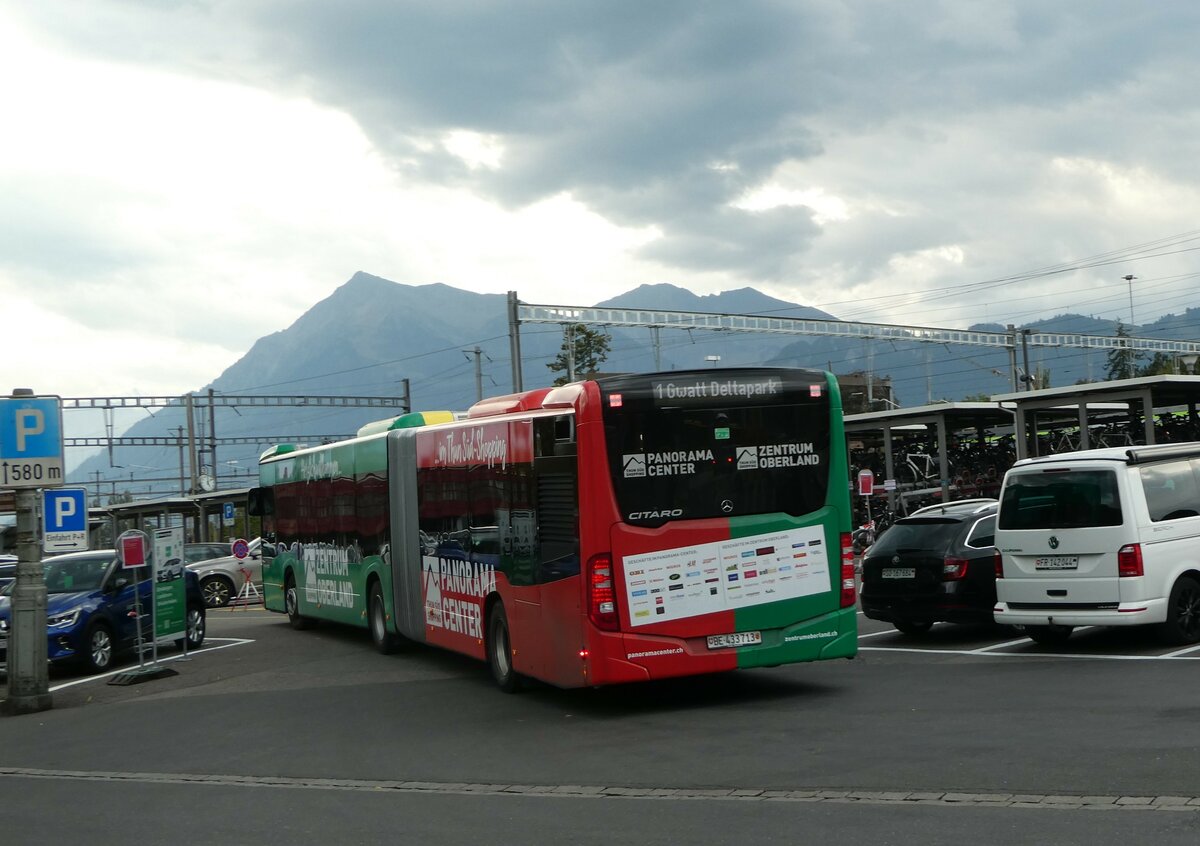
628 105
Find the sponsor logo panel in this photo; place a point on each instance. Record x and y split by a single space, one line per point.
767 561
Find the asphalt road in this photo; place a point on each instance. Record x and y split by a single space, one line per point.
966 735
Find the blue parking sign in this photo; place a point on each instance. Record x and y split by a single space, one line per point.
31 452
64 520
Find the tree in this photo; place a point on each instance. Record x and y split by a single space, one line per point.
1159 365
1123 360
590 347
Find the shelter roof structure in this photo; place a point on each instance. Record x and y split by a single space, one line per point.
943 420
1143 398
195 511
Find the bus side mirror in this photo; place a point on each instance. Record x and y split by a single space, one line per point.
260 502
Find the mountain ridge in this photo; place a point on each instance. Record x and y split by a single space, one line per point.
370 334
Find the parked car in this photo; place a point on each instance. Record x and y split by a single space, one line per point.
1104 537
936 565
8 569
91 609
222 576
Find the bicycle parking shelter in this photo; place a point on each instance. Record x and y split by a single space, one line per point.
1095 403
949 421
1085 416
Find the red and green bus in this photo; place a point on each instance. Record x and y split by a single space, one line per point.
619 529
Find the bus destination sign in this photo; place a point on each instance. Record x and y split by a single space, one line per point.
706 389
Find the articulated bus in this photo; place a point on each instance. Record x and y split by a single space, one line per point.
620 529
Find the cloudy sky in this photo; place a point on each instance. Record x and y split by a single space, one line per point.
180 177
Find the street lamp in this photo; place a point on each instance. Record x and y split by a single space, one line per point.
1129 278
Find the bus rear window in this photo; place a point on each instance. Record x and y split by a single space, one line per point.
1069 499
697 445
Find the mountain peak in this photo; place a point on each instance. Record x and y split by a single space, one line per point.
739 301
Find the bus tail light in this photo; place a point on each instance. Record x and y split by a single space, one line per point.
954 569
602 595
1129 560
848 592
999 564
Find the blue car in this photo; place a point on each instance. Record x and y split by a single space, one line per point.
91 611
8 569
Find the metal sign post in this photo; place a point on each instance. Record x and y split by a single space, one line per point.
135 553
30 458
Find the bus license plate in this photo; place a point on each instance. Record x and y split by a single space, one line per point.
899 572
736 639
1057 562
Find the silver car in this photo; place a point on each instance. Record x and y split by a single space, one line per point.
224 578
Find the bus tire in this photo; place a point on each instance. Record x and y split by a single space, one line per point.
1183 612
386 642
291 602
499 651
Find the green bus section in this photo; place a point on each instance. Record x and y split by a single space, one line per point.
330 511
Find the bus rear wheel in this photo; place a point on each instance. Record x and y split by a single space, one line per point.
291 601
499 651
386 642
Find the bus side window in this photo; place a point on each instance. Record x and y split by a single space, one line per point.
557 518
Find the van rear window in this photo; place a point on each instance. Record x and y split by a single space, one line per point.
1070 499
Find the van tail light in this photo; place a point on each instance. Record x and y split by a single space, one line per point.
848 591
602 595
954 569
999 564
1129 560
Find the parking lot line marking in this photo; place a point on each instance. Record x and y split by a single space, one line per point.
749 793
876 634
1169 657
983 649
231 641
1183 651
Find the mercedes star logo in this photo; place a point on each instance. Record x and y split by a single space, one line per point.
727 505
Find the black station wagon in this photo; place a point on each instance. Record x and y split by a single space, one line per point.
936 565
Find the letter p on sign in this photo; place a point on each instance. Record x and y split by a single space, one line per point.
63 508
28 422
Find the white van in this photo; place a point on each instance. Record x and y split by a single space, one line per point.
1103 537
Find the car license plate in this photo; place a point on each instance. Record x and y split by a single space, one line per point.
725 641
899 572
1057 562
